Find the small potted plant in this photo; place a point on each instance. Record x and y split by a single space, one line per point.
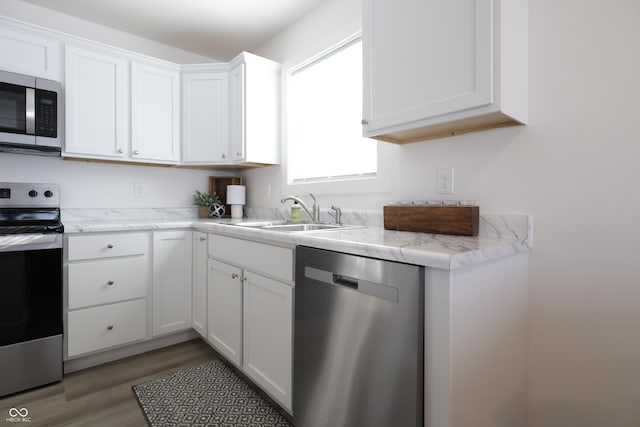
204 201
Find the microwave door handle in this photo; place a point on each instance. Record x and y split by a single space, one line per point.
30 107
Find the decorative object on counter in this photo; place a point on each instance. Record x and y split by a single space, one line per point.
219 185
204 201
217 209
236 197
447 219
296 212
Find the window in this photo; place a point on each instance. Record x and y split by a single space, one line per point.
325 139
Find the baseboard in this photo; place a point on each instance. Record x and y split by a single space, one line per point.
85 362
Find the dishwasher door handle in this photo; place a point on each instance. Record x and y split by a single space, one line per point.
346 281
388 293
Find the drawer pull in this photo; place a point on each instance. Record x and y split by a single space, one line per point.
234 276
110 245
109 328
202 239
110 282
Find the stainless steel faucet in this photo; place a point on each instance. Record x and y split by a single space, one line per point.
314 213
338 214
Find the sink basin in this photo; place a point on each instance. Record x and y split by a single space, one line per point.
291 227
259 224
302 227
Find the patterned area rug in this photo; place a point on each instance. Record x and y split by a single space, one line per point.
210 394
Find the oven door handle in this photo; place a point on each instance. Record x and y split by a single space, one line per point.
18 242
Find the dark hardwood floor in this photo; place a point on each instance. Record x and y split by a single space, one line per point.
102 396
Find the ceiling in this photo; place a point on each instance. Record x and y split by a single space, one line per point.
218 29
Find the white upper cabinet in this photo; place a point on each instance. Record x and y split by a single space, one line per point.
254 104
120 110
155 113
96 104
124 106
27 53
205 118
434 69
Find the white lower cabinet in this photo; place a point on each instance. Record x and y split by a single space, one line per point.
172 270
225 310
267 334
251 310
199 297
107 281
106 326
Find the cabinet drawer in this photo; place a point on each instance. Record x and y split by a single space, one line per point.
107 281
98 328
107 245
271 260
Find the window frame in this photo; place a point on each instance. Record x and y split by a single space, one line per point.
381 182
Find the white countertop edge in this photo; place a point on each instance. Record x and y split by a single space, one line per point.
430 250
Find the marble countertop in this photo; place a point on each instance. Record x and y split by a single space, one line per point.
500 236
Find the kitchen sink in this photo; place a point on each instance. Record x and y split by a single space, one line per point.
259 224
303 227
290 227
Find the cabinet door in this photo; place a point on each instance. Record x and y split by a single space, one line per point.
424 59
237 108
155 117
224 295
267 349
199 301
29 54
96 104
172 266
205 118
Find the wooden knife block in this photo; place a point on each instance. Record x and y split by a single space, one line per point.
456 220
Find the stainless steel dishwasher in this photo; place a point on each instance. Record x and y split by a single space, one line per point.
358 341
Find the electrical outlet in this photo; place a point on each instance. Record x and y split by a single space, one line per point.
138 191
444 181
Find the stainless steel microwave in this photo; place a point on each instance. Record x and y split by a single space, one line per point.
30 115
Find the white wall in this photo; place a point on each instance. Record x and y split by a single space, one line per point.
101 185
575 168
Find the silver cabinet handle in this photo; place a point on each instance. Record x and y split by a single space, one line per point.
224 156
238 153
202 239
136 152
234 276
110 327
110 282
120 150
110 245
364 122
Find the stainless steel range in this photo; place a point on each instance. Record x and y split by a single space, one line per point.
30 286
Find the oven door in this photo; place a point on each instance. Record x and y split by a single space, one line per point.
31 289
30 311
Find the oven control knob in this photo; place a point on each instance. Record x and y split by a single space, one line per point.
48 193
33 193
